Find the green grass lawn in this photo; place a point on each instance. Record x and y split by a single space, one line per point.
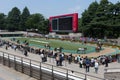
68 46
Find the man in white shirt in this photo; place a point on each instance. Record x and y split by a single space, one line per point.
96 66
42 57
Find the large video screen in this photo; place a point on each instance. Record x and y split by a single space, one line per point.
64 23
54 24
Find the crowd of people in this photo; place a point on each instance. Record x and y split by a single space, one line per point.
85 62
59 57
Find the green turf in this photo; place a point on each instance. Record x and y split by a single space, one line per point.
68 46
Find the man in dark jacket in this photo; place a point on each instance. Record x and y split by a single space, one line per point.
87 62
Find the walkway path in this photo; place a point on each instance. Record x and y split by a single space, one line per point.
72 66
10 74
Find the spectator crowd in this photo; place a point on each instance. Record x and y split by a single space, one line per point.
59 57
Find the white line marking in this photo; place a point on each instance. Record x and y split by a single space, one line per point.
40 41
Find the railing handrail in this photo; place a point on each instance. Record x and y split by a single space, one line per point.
85 74
106 70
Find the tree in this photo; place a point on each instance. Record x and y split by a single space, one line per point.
36 21
101 19
13 19
117 13
80 25
87 18
116 20
24 16
46 26
2 21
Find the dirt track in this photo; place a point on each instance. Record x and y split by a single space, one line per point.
103 52
96 54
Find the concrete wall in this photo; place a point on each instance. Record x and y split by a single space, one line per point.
112 75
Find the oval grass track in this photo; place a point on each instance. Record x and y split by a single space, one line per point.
69 47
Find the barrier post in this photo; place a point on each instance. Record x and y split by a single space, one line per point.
65 61
0 59
8 60
30 69
52 73
22 64
3 59
40 72
85 77
15 63
67 75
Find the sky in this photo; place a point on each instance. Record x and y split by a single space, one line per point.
48 7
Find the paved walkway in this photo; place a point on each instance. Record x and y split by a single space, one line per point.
36 57
10 74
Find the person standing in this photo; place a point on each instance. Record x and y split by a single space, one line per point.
96 66
60 59
57 60
106 61
42 57
92 62
87 64
26 53
81 62
76 59
70 58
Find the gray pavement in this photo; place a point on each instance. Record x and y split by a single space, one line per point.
73 66
10 74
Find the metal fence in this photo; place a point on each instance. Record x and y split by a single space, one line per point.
42 71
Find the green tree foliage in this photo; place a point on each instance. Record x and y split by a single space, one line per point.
13 19
36 21
2 21
23 21
87 18
80 29
101 19
24 16
45 29
116 20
